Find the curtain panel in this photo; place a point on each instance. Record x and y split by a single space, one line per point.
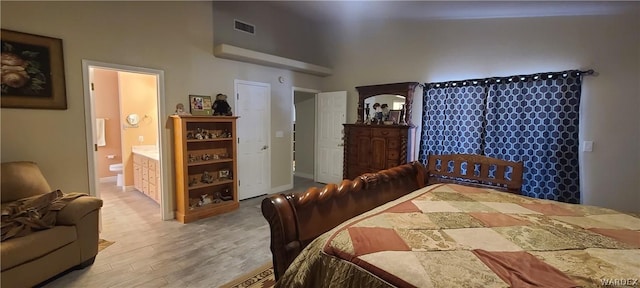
536 122
455 117
528 118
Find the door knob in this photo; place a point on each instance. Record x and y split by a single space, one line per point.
265 147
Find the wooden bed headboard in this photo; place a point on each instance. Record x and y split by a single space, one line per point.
296 219
477 170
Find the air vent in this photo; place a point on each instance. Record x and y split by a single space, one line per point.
244 27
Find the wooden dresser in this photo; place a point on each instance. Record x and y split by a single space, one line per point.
371 148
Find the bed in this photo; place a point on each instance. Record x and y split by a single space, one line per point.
448 225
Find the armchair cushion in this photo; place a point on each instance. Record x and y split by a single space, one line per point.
20 180
77 208
21 250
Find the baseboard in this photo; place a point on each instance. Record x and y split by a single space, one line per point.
130 188
303 175
281 188
108 179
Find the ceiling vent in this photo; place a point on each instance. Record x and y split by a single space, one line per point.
244 27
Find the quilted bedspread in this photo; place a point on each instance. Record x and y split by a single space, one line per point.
449 235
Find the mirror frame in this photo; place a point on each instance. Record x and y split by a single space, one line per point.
405 89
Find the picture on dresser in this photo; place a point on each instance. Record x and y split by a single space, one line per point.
394 116
200 105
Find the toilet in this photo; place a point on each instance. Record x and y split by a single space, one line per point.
119 178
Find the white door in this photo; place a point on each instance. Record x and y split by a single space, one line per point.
253 105
331 111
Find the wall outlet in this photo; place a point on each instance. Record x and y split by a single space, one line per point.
140 138
587 146
279 134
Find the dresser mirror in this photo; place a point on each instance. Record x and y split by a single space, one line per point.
395 95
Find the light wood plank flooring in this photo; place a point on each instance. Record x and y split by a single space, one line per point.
149 252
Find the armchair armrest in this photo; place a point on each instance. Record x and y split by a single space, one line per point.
76 209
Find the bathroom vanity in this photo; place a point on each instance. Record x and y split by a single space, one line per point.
146 171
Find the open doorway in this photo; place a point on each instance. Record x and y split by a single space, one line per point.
303 137
124 118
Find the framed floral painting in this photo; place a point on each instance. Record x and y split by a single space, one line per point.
32 71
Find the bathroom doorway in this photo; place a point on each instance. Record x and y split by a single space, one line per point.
124 120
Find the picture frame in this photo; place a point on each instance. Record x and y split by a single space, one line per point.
32 71
200 105
223 174
395 115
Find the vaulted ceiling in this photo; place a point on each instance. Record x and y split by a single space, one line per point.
344 11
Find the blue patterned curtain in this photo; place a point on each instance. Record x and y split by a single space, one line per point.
537 122
452 120
529 118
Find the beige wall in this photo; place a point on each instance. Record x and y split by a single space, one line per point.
176 37
462 49
305 133
107 105
138 95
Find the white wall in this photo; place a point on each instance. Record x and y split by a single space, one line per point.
461 49
176 37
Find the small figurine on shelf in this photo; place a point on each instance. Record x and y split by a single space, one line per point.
180 110
193 181
205 199
217 197
221 107
206 178
194 203
190 135
216 156
226 195
192 158
206 157
223 174
226 134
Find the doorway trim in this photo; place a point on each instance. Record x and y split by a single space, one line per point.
166 202
295 89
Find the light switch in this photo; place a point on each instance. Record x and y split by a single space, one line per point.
587 146
140 138
279 134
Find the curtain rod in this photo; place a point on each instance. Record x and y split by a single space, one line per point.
507 79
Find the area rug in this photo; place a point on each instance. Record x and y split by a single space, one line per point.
103 244
260 278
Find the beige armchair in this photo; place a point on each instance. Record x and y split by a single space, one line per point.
72 243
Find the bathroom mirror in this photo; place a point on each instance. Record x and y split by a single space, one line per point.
394 95
133 119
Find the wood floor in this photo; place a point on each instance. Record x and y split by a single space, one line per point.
149 252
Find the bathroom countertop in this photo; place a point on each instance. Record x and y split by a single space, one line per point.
149 151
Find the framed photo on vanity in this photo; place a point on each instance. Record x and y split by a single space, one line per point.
200 105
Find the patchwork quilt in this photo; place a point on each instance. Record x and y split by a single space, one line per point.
449 235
